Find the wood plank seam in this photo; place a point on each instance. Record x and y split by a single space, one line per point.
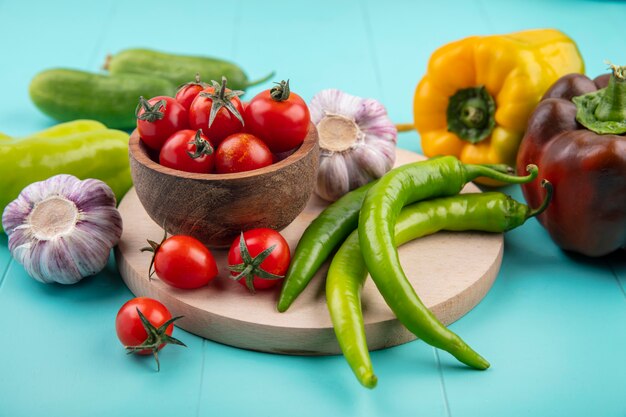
485 15
369 33
96 54
5 272
444 393
204 353
236 25
616 276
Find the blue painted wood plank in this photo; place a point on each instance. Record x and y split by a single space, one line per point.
549 326
63 357
38 35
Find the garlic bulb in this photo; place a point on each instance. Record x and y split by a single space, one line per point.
62 229
357 142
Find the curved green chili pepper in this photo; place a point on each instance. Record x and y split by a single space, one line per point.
377 219
339 219
490 212
319 239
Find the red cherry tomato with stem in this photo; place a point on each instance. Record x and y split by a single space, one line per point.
279 117
242 152
158 119
188 151
259 258
144 326
181 261
188 92
217 111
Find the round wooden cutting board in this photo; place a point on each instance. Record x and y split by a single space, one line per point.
451 272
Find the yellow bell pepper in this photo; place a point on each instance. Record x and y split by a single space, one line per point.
478 92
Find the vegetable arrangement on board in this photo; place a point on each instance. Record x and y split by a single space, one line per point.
471 110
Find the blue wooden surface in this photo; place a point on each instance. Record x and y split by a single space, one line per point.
553 326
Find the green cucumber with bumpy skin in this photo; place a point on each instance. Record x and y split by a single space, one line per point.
179 69
66 94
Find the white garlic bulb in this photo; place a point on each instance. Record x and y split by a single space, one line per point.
357 142
62 229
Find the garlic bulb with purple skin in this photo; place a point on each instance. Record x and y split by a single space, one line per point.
62 229
357 142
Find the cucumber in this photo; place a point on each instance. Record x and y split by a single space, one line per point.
66 94
179 69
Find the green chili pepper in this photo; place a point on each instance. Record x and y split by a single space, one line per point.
339 219
100 154
319 239
381 207
490 212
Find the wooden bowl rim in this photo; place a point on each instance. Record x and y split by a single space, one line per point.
138 150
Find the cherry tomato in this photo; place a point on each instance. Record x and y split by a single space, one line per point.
159 118
129 327
188 92
279 117
226 108
188 151
182 262
259 258
242 152
132 330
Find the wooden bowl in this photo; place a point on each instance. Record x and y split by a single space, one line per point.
216 208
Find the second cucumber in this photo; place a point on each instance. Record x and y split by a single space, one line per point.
66 94
178 69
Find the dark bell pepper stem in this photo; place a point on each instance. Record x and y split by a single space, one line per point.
471 114
612 106
604 111
547 185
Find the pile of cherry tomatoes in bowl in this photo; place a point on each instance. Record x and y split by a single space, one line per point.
208 129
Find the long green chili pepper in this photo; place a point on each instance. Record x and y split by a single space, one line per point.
381 207
490 212
319 239
339 219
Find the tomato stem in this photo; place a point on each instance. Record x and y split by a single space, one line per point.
151 113
221 98
154 247
251 267
156 337
280 92
203 147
